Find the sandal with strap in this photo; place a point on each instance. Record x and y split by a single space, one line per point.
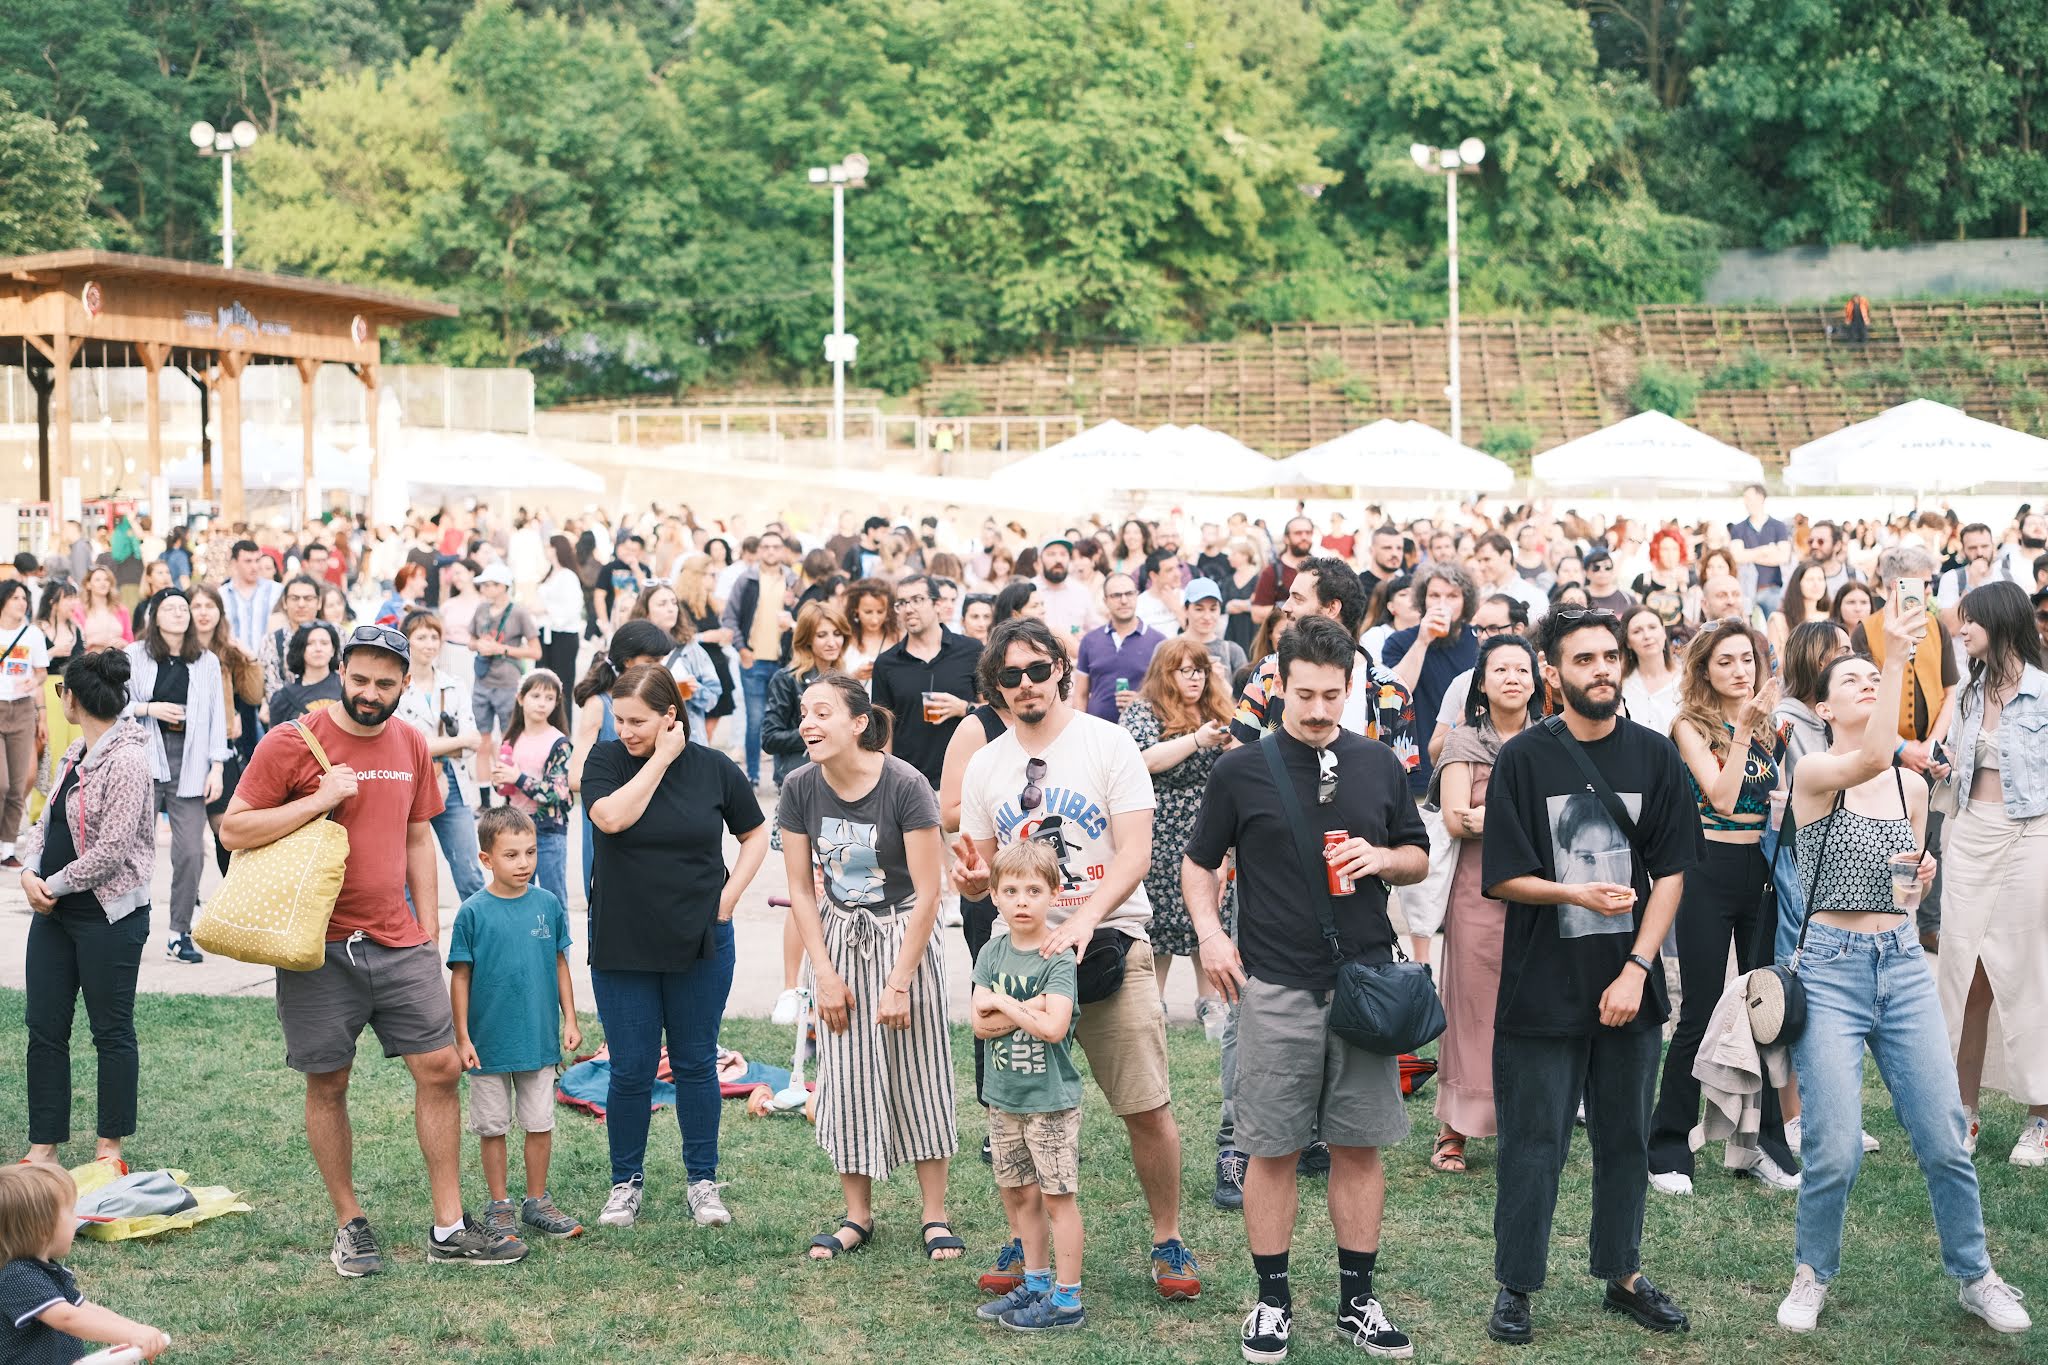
934 1245
1449 1155
834 1248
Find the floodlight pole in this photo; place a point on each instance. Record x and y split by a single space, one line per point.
1452 162
227 209
838 317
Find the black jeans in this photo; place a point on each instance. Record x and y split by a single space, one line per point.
1723 900
69 952
1536 1087
977 923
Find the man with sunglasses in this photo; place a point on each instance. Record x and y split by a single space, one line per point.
926 679
1296 1081
1079 784
383 965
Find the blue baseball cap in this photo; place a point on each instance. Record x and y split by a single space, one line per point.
1201 590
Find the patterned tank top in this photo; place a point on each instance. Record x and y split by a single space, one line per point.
1760 768
1854 854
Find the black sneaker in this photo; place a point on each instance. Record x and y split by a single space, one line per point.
1366 1324
355 1251
1314 1159
1230 1168
1510 1321
475 1245
1266 1329
180 949
1650 1306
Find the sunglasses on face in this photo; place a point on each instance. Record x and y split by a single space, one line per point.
1038 673
1033 795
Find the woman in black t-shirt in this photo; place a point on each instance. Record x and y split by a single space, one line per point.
661 907
309 658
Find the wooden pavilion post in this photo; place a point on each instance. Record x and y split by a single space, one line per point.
368 374
233 505
153 354
54 413
39 380
308 368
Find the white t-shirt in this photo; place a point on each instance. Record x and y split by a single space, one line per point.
1072 610
17 670
1093 771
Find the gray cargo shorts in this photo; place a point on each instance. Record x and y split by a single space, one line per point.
399 992
1297 1081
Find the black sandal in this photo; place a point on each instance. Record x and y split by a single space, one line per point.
834 1248
949 1242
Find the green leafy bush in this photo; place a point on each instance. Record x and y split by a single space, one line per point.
1661 388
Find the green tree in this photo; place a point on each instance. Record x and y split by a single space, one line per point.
46 183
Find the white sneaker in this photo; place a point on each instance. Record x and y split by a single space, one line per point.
2032 1148
1971 1127
624 1205
1869 1143
1671 1182
1772 1175
787 1006
949 912
705 1205
1795 1129
1800 1310
1997 1302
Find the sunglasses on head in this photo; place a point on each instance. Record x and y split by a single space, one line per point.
382 636
1038 673
1589 616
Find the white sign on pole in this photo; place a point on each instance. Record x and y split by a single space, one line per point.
160 502
70 505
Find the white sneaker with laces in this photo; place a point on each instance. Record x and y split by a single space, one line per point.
1800 1311
1671 1182
1264 1338
787 1005
1997 1302
2032 1148
705 1205
1771 1175
623 1207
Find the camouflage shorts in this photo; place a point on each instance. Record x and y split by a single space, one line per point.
1036 1149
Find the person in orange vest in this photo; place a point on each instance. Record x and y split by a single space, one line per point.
1856 319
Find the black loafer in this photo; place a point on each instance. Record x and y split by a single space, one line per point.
1314 1159
1510 1321
1650 1306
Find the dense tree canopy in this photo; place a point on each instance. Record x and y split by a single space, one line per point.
615 191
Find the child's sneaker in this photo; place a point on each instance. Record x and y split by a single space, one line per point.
705 1205
542 1216
624 1205
1023 1296
2032 1148
1008 1271
787 1006
500 1218
355 1251
1175 1272
1043 1315
474 1244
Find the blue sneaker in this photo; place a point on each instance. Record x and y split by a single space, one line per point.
1175 1272
1023 1296
1008 1271
1042 1315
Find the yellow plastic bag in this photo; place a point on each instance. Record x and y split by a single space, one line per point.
213 1201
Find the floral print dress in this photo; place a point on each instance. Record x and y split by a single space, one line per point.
1178 794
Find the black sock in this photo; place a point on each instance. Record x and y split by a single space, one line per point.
1272 1273
1354 1276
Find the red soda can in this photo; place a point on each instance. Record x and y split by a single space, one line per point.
1340 885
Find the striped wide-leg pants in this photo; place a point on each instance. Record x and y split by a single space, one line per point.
885 1096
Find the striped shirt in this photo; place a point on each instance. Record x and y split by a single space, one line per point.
249 616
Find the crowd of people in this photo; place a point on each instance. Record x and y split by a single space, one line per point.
1575 748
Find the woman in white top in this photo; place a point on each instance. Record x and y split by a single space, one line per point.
24 663
1649 683
436 703
561 614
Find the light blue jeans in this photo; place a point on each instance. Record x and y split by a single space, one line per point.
551 863
1875 990
455 831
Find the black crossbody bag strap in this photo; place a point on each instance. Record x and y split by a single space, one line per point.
1595 783
1304 848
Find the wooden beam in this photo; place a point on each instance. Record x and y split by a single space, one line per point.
61 351
308 370
233 505
153 354
368 374
40 381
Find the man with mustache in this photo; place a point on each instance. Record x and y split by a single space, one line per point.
1582 1001
383 964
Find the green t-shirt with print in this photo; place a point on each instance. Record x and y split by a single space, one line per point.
1023 1074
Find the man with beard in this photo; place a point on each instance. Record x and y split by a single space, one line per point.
2019 559
1071 608
1582 1001
1383 559
383 966
1278 576
1826 547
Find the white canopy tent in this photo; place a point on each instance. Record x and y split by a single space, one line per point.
1395 456
273 461
1098 460
1198 459
1651 452
483 462
1922 446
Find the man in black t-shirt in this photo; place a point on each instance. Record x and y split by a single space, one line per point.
1294 1077
1581 987
928 662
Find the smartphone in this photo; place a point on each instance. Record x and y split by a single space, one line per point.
1913 590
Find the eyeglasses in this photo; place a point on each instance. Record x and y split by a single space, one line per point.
1191 671
1486 632
1038 673
1033 795
908 603
1118 596
1326 776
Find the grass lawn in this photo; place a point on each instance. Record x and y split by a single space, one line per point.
218 1101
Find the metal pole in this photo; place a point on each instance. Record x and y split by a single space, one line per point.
838 324
227 210
1457 394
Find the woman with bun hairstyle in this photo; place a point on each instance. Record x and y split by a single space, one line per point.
86 876
635 642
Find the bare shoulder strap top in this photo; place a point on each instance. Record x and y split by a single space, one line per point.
1846 857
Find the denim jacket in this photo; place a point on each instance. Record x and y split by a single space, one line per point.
2022 746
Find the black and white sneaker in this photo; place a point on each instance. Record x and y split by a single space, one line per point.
475 1244
1365 1323
1266 1328
181 949
355 1251
1230 1169
1314 1160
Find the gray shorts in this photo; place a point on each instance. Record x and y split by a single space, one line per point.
1297 1081
399 992
494 1095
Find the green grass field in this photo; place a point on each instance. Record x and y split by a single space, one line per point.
218 1101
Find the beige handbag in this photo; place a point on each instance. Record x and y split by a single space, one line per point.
272 908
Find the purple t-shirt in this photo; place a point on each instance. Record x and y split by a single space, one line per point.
1105 660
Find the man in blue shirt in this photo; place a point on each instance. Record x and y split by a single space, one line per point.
1764 544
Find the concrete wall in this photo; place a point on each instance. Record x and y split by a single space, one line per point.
1830 274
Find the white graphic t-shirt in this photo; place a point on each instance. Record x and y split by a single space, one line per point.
17 669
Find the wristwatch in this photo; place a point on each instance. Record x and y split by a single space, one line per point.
1641 961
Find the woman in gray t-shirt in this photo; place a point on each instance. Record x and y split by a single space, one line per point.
869 825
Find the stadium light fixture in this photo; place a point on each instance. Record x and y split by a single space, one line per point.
1451 162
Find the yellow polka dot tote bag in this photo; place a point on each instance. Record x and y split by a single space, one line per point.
272 908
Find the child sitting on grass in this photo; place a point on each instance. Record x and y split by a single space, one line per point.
511 981
43 1316
1025 1007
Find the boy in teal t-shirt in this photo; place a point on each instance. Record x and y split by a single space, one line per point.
509 955
1025 1006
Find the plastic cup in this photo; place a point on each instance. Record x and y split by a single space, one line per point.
933 713
1905 881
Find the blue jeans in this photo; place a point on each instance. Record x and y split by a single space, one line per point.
455 830
1875 989
754 685
1784 861
636 1008
551 866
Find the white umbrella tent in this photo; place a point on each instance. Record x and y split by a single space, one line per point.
1096 461
1395 456
1650 452
1922 447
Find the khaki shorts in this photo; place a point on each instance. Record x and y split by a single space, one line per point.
1036 1149
1124 1040
1297 1081
492 1098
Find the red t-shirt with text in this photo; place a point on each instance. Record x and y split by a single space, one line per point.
395 786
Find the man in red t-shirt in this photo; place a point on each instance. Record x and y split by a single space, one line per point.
383 964
1277 577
